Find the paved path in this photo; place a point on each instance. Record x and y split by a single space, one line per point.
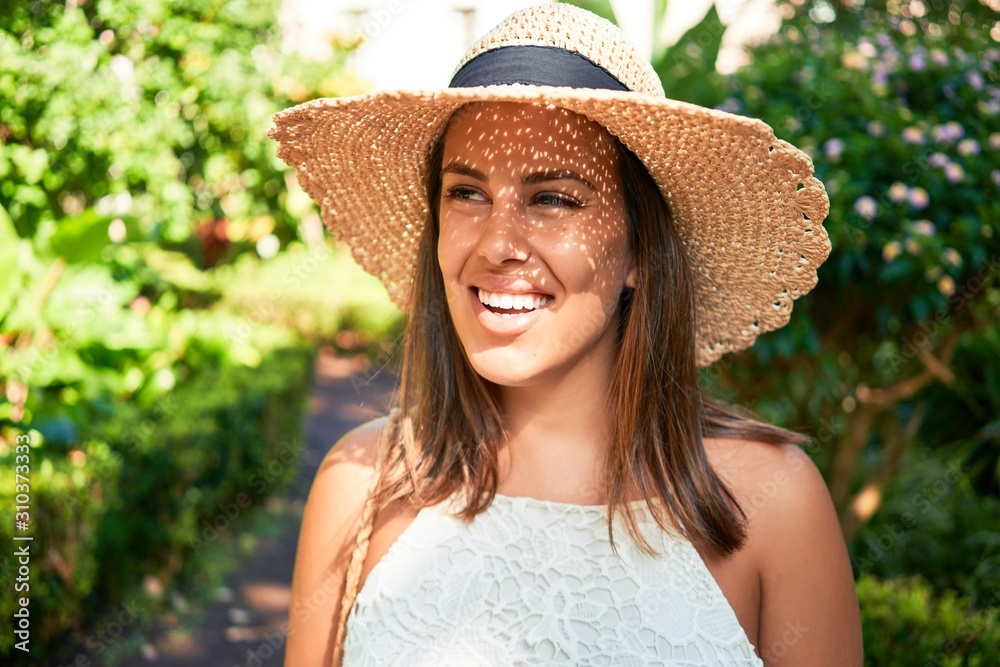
243 628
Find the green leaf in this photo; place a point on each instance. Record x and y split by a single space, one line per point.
177 269
10 244
600 7
81 238
697 49
659 14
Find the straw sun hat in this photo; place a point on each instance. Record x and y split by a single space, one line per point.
746 204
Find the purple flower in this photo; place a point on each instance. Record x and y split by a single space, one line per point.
938 160
833 148
876 129
967 147
883 40
880 78
866 49
949 132
975 80
916 63
918 198
954 172
912 135
897 192
866 207
939 57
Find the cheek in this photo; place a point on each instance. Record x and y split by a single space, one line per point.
596 260
613 247
453 250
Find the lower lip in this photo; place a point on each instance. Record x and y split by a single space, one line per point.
504 325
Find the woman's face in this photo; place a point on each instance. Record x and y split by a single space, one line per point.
533 241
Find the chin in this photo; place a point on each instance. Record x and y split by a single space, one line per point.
503 367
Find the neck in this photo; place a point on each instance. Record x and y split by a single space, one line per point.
559 433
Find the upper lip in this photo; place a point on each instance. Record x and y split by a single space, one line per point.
508 285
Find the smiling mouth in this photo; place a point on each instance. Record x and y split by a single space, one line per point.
503 303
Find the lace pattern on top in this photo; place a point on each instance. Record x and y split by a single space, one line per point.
534 582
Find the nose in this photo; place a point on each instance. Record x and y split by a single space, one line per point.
502 235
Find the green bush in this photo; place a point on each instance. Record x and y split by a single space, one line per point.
135 179
891 357
142 493
70 500
933 522
906 626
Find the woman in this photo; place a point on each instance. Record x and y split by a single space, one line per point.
570 245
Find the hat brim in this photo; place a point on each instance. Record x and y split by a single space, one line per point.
747 205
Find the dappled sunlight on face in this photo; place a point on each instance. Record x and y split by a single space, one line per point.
533 243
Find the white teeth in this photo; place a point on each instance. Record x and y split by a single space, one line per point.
512 301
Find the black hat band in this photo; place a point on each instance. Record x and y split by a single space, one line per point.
534 66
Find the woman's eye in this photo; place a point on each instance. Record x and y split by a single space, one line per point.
553 199
464 193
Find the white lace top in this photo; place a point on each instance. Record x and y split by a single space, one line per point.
534 582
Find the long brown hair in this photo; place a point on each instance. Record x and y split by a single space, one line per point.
448 425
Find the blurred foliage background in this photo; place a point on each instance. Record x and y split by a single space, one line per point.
164 287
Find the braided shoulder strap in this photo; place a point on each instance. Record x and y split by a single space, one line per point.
361 545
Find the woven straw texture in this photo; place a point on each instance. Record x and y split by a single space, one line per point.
574 29
746 204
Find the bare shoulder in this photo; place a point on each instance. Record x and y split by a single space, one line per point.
809 609
327 536
355 451
768 480
780 490
344 476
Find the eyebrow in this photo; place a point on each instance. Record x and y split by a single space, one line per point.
541 176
